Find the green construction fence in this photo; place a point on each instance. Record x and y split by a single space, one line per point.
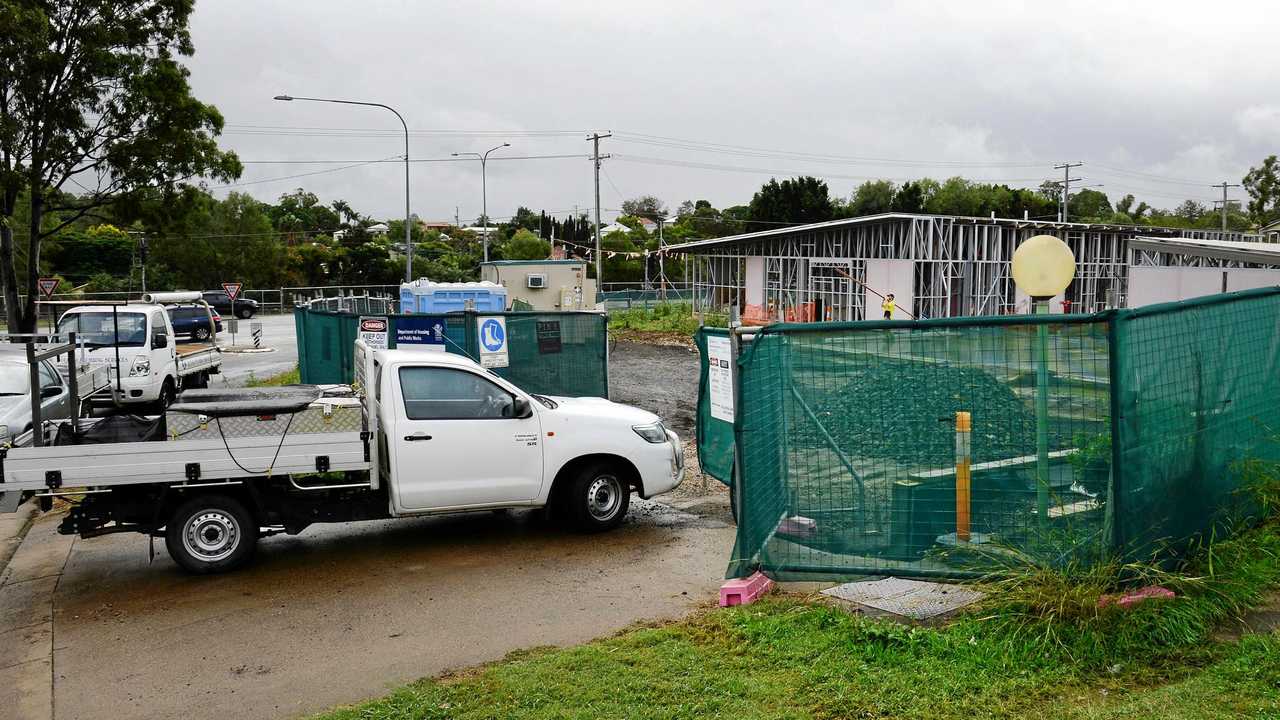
550 353
1111 435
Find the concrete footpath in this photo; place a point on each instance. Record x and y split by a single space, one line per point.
27 587
89 629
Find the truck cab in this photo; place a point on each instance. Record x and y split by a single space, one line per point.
458 437
139 337
138 345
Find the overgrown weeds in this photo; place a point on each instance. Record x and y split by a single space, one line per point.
1042 608
664 318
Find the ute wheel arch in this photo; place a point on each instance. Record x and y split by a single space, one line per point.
570 470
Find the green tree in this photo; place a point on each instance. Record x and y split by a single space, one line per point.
300 214
99 250
1089 204
220 241
793 201
645 206
913 196
872 198
93 95
1263 185
524 245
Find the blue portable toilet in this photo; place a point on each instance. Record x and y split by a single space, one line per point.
425 297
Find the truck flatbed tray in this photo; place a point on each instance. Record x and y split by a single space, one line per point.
138 463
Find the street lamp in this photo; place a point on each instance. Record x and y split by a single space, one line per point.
1042 267
408 237
484 191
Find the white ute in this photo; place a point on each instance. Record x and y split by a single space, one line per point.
424 432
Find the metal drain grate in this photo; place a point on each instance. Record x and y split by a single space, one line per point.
914 599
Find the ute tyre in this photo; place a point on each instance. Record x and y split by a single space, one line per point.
596 499
244 313
211 534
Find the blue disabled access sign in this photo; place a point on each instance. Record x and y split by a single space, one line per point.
493 341
423 331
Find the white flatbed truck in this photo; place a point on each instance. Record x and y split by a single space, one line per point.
137 345
418 433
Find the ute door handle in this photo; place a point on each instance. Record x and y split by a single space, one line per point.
419 436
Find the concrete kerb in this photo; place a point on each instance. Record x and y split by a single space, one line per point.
13 528
245 350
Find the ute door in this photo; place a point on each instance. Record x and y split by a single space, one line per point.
459 442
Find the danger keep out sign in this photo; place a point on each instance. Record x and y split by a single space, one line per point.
373 331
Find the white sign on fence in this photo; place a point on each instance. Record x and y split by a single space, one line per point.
373 331
720 377
493 341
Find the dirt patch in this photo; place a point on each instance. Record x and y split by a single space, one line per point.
663 379
652 337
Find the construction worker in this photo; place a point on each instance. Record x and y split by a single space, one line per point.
887 306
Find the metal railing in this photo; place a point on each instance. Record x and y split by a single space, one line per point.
356 304
281 299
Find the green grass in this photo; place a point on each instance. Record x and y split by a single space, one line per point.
289 377
1038 646
668 318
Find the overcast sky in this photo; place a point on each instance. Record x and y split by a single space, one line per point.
1161 99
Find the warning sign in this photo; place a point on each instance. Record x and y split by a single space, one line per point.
493 341
373 331
232 290
47 286
720 378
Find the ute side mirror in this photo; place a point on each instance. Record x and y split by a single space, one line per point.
159 341
521 408
49 391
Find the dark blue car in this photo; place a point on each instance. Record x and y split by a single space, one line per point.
193 320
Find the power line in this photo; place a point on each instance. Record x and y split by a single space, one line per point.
400 159
299 175
644 159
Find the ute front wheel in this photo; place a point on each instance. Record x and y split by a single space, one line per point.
211 534
596 499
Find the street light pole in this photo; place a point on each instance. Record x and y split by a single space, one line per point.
484 190
408 236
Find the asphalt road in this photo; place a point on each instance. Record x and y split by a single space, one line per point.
89 629
277 334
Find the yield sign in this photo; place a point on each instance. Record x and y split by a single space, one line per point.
47 286
232 289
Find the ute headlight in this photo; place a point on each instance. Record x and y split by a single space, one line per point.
653 432
141 366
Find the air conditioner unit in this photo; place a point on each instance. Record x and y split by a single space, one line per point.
536 280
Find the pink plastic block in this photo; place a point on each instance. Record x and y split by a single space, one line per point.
744 591
798 526
1151 592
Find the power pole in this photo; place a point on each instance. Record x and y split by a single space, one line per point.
1224 185
456 220
1066 184
595 139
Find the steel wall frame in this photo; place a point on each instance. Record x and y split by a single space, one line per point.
961 269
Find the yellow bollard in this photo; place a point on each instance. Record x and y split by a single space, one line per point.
964 428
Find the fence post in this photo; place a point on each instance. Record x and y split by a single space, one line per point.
1112 527
964 429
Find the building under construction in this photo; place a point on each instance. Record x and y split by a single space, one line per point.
935 266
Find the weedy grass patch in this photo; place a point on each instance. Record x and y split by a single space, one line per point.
1039 645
